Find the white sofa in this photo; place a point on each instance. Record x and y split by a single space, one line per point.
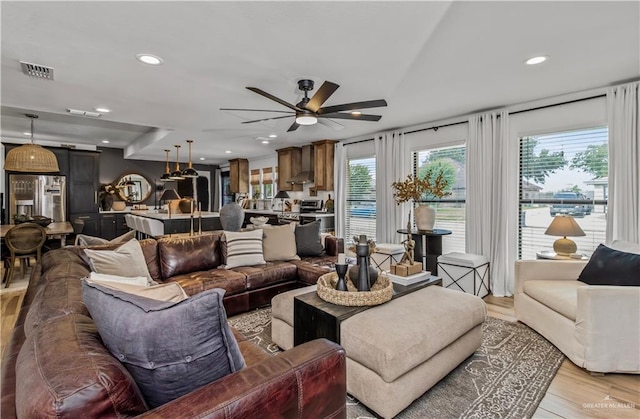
596 326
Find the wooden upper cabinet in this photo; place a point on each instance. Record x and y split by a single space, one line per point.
289 165
239 175
323 164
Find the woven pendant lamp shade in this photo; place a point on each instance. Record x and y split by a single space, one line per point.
31 158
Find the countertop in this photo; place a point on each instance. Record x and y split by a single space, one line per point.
164 216
307 214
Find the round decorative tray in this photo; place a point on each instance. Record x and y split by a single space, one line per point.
381 292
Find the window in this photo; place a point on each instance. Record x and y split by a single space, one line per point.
450 210
267 181
563 173
361 198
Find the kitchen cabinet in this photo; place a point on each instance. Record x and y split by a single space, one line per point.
83 187
289 165
239 176
323 165
112 226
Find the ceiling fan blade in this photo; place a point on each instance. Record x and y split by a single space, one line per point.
360 117
321 96
266 119
272 97
353 106
254 110
293 126
330 123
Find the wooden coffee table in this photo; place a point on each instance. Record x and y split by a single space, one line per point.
315 318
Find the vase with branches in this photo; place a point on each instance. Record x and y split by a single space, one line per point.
431 185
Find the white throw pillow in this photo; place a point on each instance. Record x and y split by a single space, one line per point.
243 248
279 243
131 280
127 260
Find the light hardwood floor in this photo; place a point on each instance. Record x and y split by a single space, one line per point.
573 393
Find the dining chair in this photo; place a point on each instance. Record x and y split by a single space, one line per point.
24 241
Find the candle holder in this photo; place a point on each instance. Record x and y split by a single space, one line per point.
341 270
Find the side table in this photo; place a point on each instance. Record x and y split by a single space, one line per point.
315 318
428 246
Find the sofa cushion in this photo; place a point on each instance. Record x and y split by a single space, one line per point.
196 282
559 296
190 254
308 241
126 260
279 243
261 276
60 257
169 348
243 248
611 267
64 371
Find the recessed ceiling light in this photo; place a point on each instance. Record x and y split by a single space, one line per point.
228 151
273 136
201 158
149 59
26 133
356 113
536 60
104 110
265 142
105 141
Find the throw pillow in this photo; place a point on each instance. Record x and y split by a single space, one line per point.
171 291
243 248
279 243
84 240
127 260
308 239
170 348
611 267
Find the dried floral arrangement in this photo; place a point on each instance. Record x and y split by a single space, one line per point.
370 242
412 189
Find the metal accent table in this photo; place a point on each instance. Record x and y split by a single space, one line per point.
428 246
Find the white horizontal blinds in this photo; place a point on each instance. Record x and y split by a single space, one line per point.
361 198
451 209
563 173
255 177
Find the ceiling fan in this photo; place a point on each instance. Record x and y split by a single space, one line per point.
309 110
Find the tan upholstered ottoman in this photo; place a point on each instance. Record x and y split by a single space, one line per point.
282 316
400 349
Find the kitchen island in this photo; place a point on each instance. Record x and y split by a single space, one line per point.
327 219
181 223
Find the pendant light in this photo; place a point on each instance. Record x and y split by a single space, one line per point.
166 176
190 171
177 174
31 158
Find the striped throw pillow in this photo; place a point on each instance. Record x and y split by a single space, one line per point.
243 248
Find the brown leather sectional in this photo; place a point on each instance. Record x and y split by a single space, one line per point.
56 366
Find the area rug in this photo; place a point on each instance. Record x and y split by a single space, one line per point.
506 377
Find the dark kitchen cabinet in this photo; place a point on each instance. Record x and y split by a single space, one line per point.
83 187
112 225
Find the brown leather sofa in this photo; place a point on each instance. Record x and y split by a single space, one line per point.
55 364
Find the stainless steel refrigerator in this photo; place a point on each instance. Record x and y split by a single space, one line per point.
38 195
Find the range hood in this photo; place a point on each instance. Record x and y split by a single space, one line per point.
306 173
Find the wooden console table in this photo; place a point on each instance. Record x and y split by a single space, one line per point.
314 318
428 247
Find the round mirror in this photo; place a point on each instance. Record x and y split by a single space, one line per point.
133 188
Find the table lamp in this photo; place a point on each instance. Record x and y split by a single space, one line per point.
169 195
564 225
282 195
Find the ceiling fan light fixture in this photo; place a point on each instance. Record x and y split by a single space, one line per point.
306 118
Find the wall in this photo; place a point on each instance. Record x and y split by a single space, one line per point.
113 165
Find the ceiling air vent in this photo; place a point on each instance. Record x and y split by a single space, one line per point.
79 112
36 70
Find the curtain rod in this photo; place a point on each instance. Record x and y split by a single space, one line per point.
437 127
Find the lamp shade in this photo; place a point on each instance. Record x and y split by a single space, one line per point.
282 195
31 158
169 195
563 225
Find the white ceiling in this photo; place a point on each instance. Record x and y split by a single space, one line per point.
429 60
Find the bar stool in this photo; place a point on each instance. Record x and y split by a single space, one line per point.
23 241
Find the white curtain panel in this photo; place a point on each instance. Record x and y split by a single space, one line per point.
391 166
487 198
623 209
340 183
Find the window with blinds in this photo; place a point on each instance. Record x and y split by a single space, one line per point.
267 181
563 173
451 209
361 198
